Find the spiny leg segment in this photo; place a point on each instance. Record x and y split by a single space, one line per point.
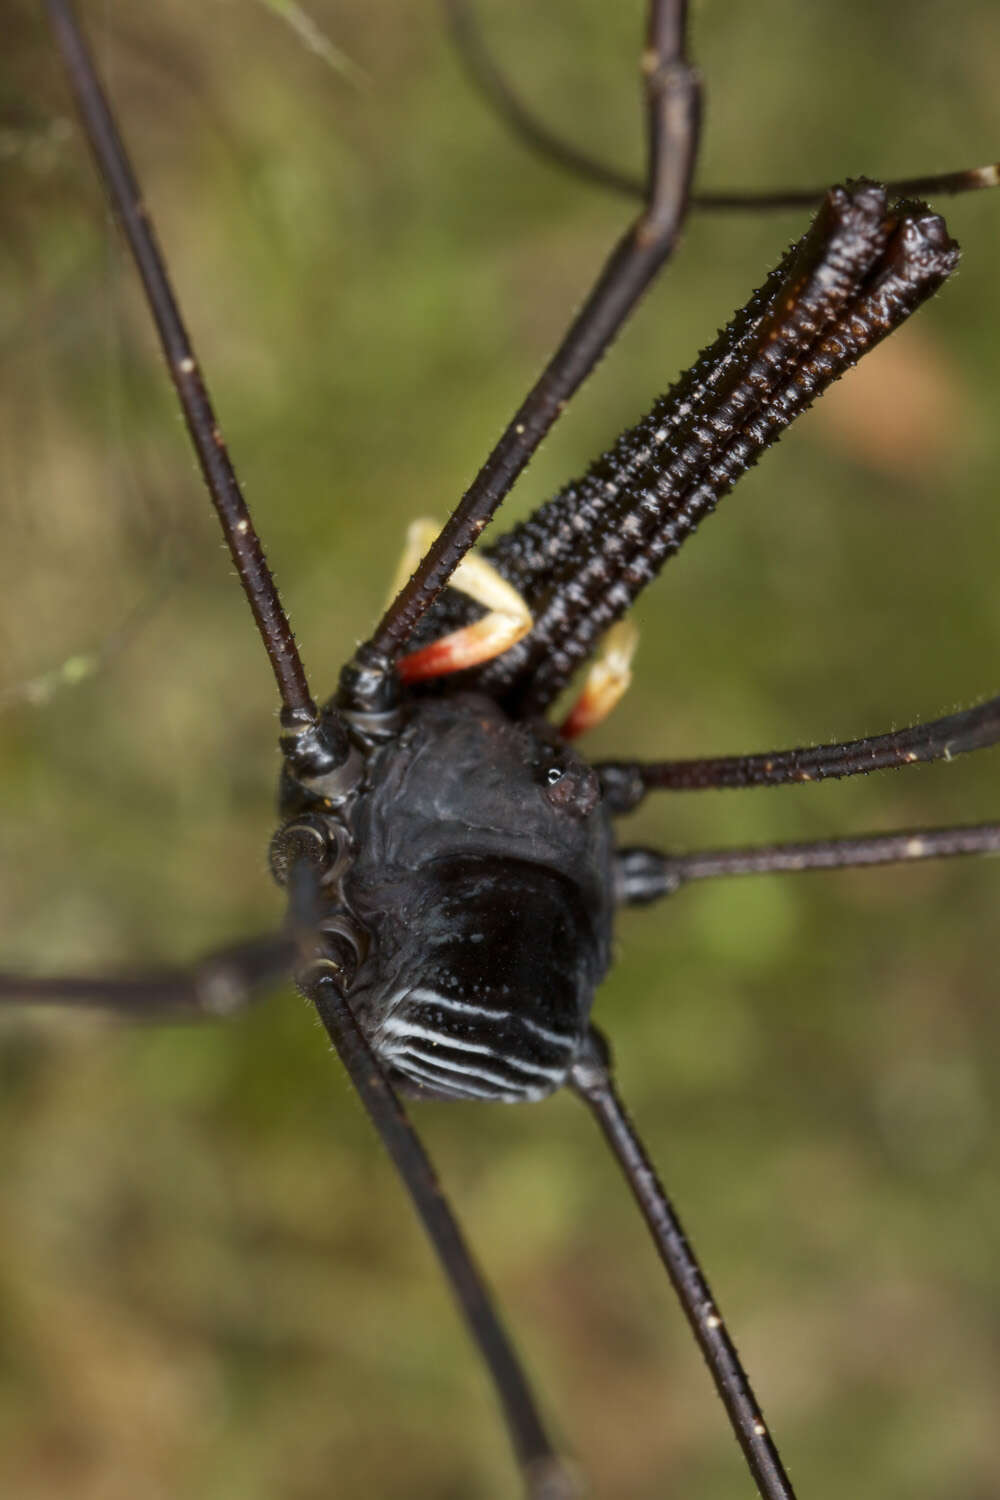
584 556
858 273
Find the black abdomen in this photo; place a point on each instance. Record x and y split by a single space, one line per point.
483 881
500 1003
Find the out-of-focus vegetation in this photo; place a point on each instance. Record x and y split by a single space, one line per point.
210 1284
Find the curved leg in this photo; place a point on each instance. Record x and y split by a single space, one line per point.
501 96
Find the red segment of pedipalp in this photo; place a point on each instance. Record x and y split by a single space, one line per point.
469 647
508 620
585 714
606 683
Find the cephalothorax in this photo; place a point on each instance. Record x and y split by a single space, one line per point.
468 892
449 859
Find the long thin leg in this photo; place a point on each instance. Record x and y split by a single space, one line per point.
626 782
237 527
321 980
644 875
511 110
673 94
591 1081
220 983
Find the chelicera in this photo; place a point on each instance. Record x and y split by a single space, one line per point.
449 861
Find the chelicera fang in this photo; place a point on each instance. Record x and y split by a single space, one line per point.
878 261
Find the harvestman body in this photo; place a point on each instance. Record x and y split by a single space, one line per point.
450 860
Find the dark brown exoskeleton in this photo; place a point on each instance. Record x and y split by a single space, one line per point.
450 860
468 890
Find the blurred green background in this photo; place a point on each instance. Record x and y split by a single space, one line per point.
210 1285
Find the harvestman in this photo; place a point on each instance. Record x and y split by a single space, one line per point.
449 859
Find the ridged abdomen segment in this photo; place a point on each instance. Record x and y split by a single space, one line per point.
454 1048
497 1003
